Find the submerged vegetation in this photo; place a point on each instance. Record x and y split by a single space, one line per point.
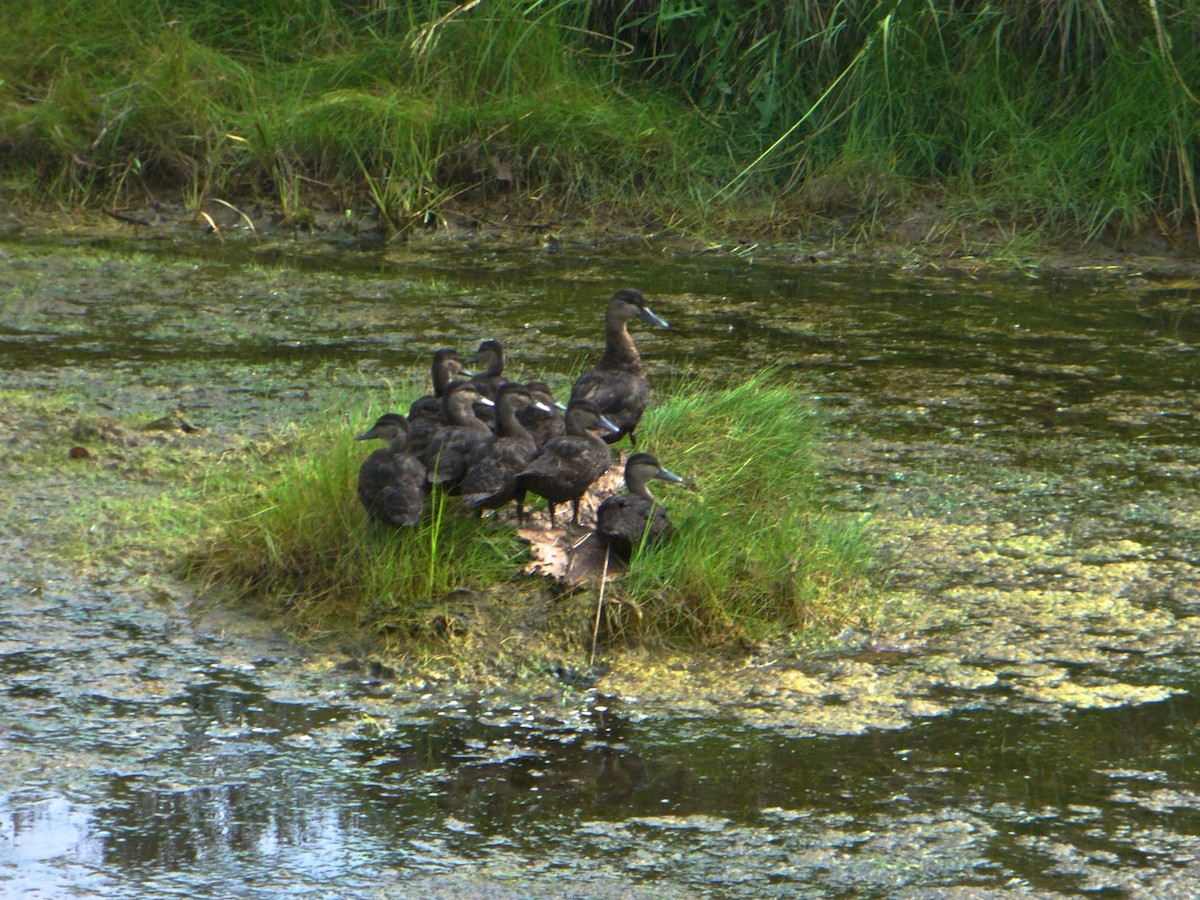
756 554
1062 116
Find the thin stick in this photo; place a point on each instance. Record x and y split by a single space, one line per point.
599 606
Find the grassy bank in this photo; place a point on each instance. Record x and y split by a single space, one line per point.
1072 117
757 553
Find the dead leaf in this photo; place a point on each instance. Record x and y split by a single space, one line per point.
574 556
502 170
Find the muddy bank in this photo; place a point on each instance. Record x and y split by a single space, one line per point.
921 237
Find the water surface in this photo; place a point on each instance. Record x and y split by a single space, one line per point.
1021 720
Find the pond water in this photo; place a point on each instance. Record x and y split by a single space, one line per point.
1020 720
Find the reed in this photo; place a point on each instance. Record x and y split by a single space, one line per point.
1059 117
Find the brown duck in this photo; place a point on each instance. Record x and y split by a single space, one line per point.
568 464
630 520
391 481
425 416
491 480
488 365
617 383
459 443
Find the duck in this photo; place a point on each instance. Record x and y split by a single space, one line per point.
617 383
629 520
542 418
567 465
490 356
391 481
489 364
462 441
425 416
491 480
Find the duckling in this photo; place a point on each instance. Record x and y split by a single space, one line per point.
491 481
617 384
568 464
543 418
460 443
489 356
425 416
391 481
627 520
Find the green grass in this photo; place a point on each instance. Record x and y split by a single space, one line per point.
1057 117
757 553
276 524
305 548
333 104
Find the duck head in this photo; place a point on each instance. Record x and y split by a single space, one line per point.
459 401
628 303
490 356
640 468
387 427
583 416
446 364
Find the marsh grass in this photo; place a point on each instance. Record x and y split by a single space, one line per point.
396 108
757 551
1053 116
305 548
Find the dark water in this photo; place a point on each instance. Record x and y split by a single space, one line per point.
1025 725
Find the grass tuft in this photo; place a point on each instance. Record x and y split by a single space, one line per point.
306 549
757 551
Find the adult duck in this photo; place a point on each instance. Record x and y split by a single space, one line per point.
568 464
426 416
459 443
491 480
617 383
630 520
391 481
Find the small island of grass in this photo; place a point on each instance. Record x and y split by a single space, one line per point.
757 554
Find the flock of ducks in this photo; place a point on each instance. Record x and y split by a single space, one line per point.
495 441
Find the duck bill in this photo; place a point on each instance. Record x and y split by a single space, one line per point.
486 401
538 404
608 426
367 436
667 475
560 407
646 316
